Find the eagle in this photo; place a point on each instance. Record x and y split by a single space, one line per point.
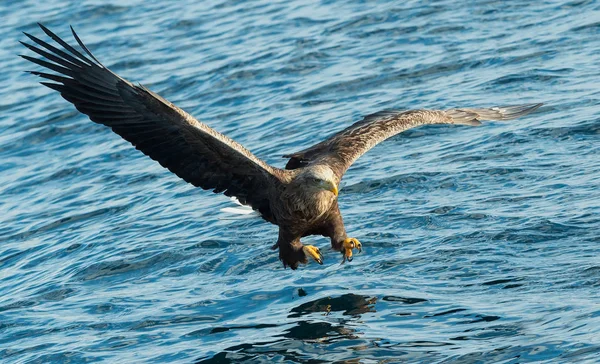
301 199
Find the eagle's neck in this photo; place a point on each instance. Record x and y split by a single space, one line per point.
308 204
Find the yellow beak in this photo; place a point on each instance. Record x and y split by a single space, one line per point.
333 188
329 186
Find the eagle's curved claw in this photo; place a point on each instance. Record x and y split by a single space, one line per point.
347 246
313 252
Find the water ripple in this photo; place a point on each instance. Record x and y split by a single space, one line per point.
481 244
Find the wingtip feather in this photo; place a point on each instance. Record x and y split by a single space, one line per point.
515 111
84 47
501 113
45 30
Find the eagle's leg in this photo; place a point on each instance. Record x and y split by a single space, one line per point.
334 228
313 252
293 253
347 246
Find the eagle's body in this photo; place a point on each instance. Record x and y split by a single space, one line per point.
301 199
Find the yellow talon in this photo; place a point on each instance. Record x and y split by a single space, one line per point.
313 252
347 246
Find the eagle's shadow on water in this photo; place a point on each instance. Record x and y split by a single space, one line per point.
291 344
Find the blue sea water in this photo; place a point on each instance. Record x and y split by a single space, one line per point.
481 244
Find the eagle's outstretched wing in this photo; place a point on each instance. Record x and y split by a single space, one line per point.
161 130
341 149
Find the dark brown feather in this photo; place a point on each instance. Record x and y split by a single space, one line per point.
341 149
187 147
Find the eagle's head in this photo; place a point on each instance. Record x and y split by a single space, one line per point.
319 179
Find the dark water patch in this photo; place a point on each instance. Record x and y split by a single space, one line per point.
500 281
588 129
176 320
271 353
65 221
390 32
350 304
217 330
17 305
393 264
448 29
507 353
480 318
12 255
400 181
523 78
590 352
443 210
128 268
404 300
592 271
449 312
322 331
104 308
8 353
513 285
56 294
590 27
490 332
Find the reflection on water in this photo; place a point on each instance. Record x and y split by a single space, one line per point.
325 328
350 305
